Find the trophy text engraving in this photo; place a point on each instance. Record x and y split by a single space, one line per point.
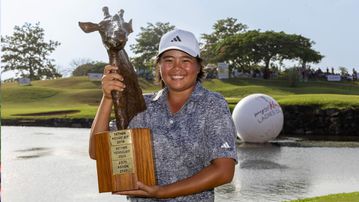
121 152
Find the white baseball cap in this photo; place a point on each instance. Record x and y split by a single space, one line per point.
179 40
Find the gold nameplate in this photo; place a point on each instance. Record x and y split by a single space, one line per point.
121 152
120 137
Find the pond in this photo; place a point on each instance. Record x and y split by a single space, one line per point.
52 164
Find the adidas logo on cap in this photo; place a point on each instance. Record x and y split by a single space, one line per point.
179 40
176 39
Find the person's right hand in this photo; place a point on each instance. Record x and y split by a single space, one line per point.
111 80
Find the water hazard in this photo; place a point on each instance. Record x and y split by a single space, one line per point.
52 164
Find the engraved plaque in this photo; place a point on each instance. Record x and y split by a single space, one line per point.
121 152
120 137
122 166
123 158
117 153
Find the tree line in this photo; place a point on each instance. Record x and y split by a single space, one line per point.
230 42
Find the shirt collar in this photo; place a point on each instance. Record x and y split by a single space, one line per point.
196 94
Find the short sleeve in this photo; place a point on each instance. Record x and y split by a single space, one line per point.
220 130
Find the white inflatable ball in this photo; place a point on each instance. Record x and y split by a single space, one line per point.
258 118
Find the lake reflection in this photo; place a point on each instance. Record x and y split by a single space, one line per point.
276 173
52 164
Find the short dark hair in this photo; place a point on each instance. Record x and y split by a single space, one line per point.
158 78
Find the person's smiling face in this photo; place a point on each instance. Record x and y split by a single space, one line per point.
179 70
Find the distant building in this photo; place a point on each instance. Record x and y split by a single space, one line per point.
24 81
334 77
223 71
94 76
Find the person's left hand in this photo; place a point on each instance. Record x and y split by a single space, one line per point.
142 191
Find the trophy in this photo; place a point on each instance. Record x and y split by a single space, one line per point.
125 156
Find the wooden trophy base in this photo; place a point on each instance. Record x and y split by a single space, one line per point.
124 157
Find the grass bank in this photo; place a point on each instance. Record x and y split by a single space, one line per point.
345 197
320 93
77 97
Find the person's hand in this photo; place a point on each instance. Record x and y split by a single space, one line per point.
111 80
143 191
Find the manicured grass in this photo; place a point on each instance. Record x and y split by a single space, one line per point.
321 93
345 197
78 93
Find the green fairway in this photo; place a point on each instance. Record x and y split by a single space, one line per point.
78 97
346 197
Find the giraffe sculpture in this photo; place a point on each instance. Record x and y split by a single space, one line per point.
114 32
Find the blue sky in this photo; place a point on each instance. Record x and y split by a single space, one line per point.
332 24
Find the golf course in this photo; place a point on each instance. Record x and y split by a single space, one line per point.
78 97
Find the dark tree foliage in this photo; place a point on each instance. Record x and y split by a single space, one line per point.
147 42
253 47
27 53
222 29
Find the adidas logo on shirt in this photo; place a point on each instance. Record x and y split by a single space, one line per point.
225 146
176 39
